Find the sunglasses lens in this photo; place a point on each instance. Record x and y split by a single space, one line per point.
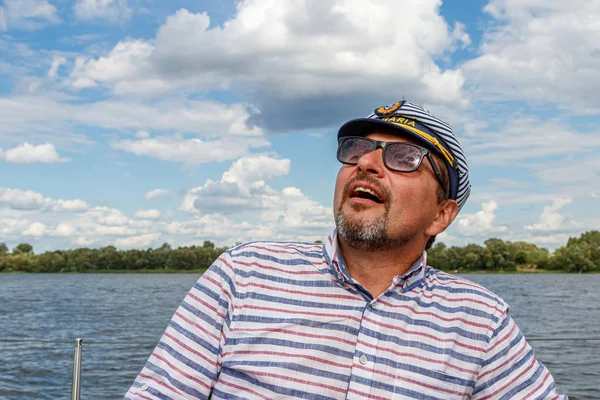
403 157
352 149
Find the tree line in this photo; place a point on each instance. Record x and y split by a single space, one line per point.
580 254
108 258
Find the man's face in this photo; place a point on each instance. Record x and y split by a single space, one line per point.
405 208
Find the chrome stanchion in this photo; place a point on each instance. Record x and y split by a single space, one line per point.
76 370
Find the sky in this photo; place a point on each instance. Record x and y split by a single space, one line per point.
138 122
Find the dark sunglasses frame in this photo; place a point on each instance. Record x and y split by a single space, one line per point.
384 146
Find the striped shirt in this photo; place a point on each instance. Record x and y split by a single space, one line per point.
286 320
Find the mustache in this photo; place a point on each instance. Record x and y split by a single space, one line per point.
385 192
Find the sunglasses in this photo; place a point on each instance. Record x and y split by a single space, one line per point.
397 156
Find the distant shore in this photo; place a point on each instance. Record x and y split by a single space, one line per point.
495 256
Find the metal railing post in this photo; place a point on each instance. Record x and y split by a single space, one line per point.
76 370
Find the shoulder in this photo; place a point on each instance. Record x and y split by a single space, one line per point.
277 249
274 258
457 290
288 253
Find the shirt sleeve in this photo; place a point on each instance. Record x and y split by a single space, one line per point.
510 369
186 360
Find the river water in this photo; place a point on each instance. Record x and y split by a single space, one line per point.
134 308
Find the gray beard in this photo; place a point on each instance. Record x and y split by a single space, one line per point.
368 235
363 235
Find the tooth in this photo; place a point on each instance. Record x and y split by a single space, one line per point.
363 189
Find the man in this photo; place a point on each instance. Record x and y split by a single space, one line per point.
361 316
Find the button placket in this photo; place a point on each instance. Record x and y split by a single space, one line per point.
363 359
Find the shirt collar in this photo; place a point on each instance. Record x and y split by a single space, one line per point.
335 259
338 267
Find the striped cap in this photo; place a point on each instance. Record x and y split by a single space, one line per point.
433 133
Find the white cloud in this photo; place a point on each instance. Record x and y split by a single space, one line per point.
108 230
30 154
550 150
83 241
256 168
47 118
559 239
544 50
313 42
69 205
27 14
570 171
482 222
509 197
65 229
37 118
109 10
241 188
550 219
294 214
103 223
121 67
29 200
156 193
444 237
105 216
57 61
148 214
190 151
226 197
528 138
280 214
12 227
460 35
140 241
35 229
297 54
23 199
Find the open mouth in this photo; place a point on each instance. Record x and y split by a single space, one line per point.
362 192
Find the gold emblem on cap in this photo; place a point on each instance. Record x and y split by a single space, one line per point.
387 110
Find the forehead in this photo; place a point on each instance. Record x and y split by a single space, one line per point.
391 137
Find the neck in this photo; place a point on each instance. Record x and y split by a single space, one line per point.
375 270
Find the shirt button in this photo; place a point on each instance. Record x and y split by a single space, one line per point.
407 282
145 387
363 359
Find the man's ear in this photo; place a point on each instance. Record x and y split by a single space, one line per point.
447 211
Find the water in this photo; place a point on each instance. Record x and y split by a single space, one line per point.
137 308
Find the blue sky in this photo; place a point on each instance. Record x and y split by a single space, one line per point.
138 122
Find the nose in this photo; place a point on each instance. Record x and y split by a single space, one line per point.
372 163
